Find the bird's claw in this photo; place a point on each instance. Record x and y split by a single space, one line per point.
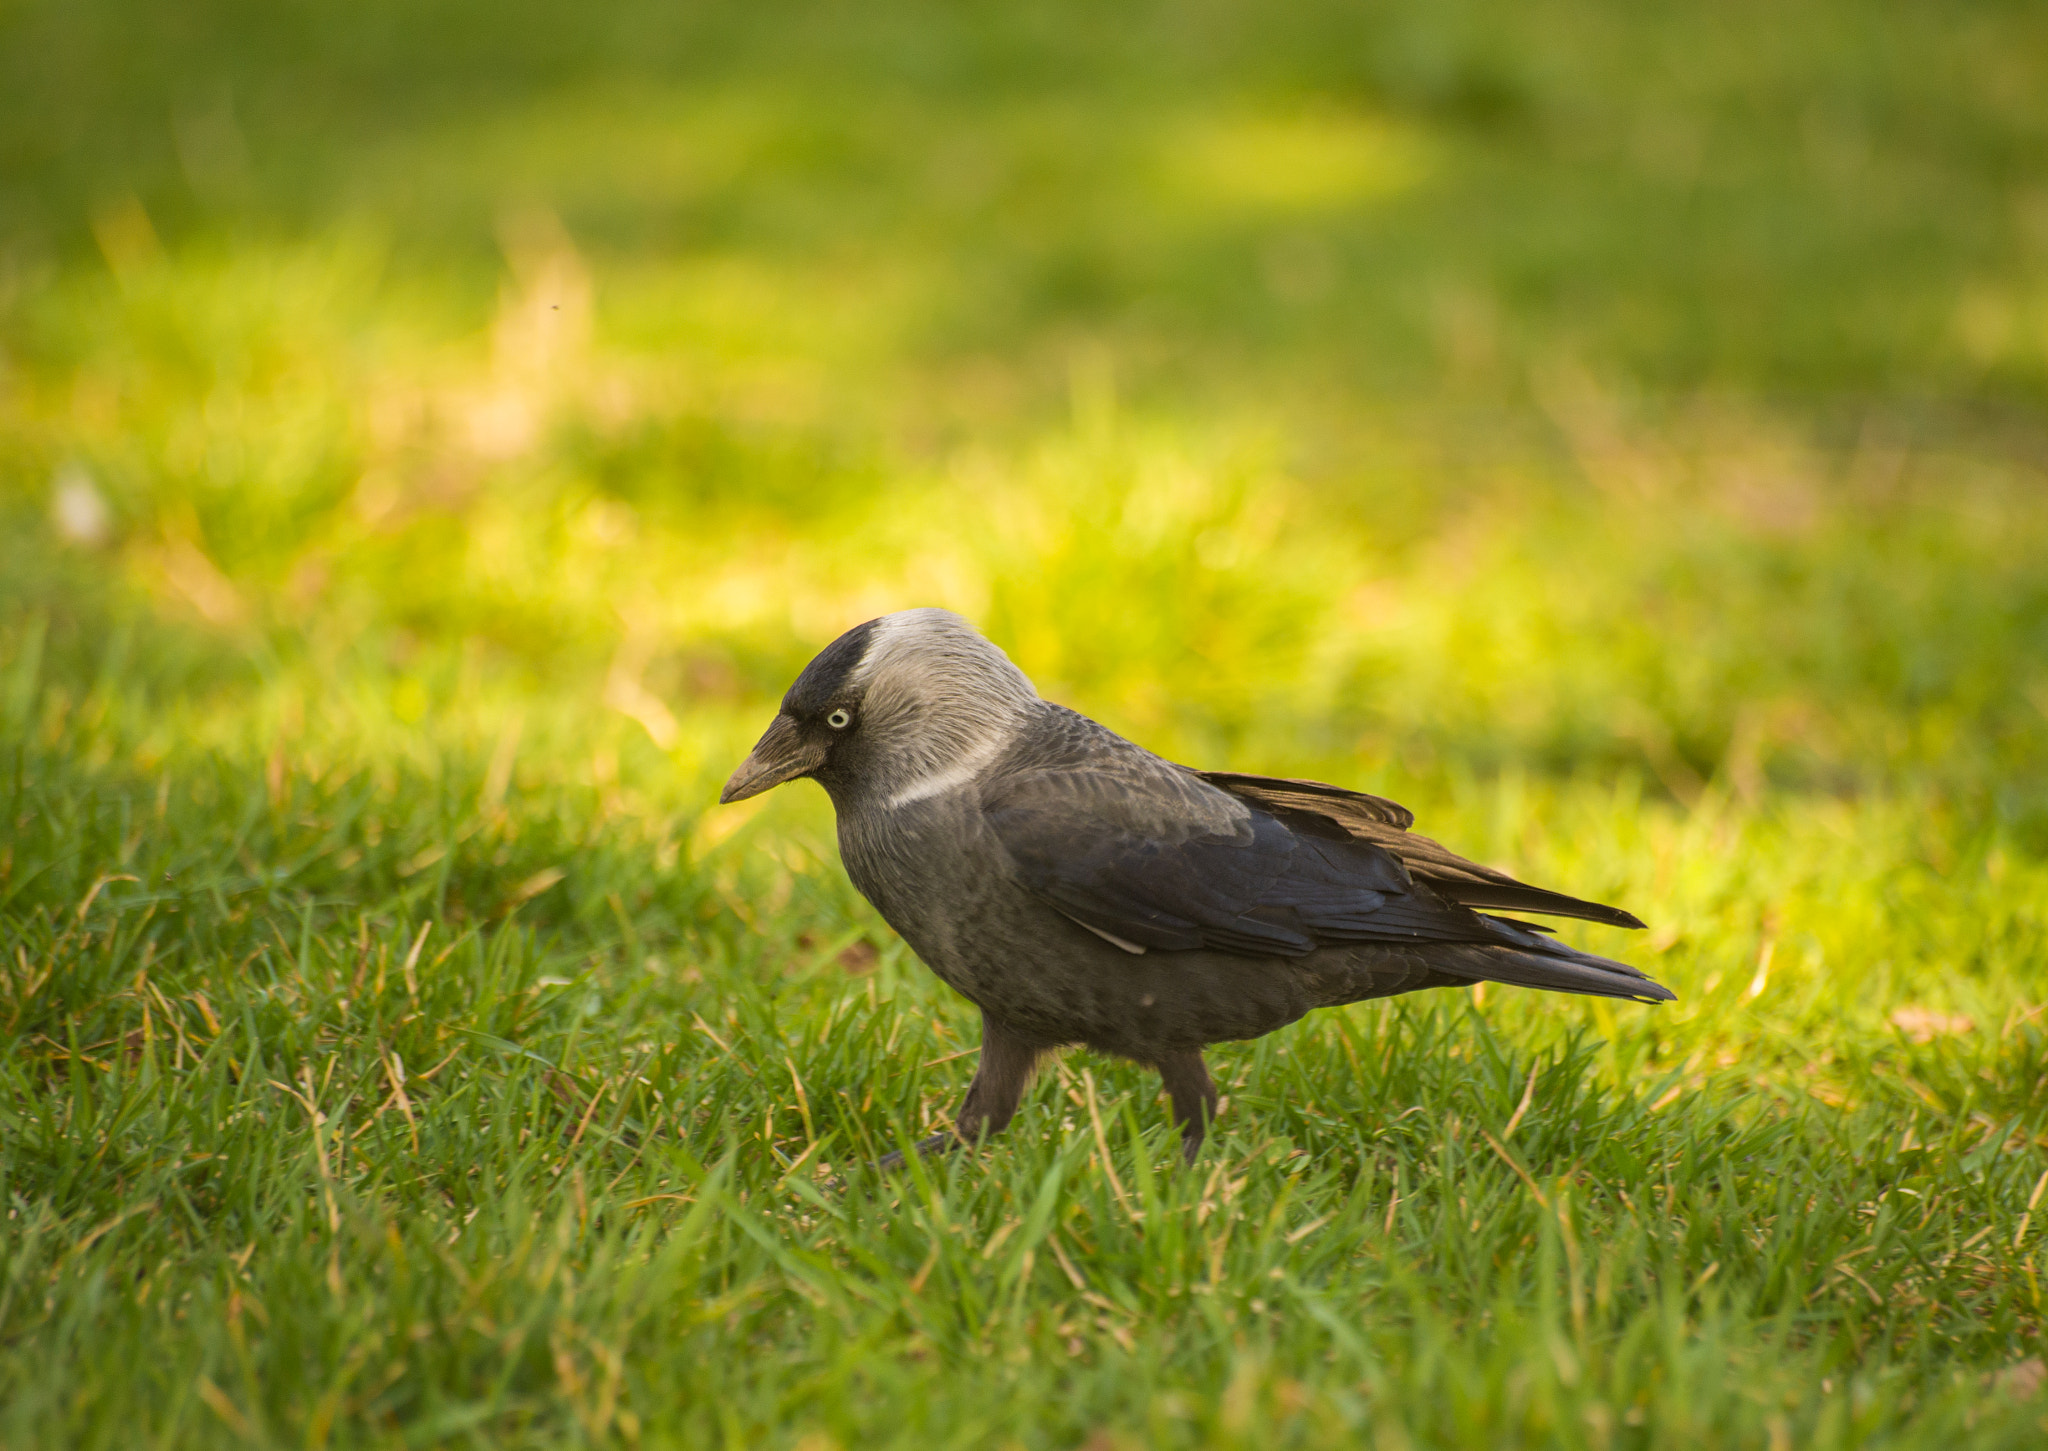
936 1144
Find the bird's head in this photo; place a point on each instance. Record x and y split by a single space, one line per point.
898 709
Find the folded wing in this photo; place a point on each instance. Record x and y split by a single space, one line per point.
1318 809
1154 857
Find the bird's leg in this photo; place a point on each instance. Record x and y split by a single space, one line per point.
1007 1061
1186 1079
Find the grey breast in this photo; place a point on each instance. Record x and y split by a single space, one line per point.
936 874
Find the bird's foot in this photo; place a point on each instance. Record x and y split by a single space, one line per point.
936 1144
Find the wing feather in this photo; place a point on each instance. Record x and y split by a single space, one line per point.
1128 853
1152 856
1322 809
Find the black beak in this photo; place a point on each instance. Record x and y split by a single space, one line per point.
782 754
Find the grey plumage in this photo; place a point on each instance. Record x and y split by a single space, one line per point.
1079 889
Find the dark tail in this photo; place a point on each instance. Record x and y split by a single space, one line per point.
1527 960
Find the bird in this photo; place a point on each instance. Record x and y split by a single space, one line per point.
1080 890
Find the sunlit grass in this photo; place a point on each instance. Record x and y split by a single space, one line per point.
404 1045
418 1079
425 457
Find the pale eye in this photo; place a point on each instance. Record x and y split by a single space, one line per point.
840 719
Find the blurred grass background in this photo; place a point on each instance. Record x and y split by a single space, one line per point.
431 436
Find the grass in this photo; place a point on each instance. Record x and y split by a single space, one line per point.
430 439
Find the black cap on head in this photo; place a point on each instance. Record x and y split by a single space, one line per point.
827 675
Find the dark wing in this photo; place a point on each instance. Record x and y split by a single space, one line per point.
1149 854
1316 809
1331 802
1152 856
1145 853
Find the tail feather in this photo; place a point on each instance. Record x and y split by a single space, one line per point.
1556 968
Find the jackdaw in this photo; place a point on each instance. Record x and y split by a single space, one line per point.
1080 890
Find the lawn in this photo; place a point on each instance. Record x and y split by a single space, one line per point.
432 435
